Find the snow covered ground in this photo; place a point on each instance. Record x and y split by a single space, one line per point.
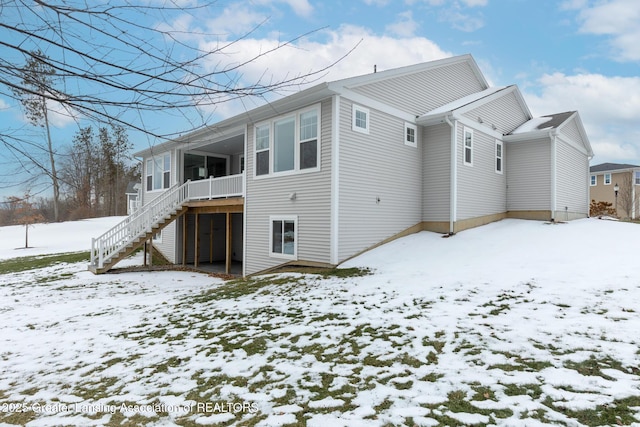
516 323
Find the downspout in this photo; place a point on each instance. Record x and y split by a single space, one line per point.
554 178
453 192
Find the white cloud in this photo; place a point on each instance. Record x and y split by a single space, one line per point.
607 106
618 19
404 26
299 7
376 2
307 56
475 3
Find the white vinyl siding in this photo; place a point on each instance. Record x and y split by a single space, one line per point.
267 198
505 113
380 182
572 195
436 172
528 173
442 85
480 190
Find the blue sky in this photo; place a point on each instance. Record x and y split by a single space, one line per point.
564 55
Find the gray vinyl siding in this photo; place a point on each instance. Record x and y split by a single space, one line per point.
438 86
380 182
436 172
572 179
480 190
270 196
505 113
528 168
570 132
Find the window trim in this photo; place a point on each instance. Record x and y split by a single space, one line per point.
500 157
270 124
355 108
466 131
283 218
636 177
157 237
150 173
605 179
593 181
413 127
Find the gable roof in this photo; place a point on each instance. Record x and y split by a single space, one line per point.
605 167
471 102
552 124
234 126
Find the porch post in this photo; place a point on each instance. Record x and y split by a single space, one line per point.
211 240
197 241
151 252
184 239
144 252
228 254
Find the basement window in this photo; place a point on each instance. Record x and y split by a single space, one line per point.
283 239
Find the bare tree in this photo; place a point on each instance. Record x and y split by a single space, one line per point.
116 60
627 197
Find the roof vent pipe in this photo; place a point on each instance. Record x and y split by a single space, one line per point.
375 68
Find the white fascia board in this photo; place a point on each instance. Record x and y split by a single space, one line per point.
527 136
377 105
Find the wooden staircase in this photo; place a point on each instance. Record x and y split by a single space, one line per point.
130 234
136 243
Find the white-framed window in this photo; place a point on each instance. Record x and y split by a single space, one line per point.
468 147
289 144
594 180
499 157
410 135
283 236
637 177
158 172
241 163
157 237
607 179
262 149
360 122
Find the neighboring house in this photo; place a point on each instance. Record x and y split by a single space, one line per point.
602 183
134 196
324 174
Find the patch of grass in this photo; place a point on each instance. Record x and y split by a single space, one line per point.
592 366
619 412
533 390
521 364
15 265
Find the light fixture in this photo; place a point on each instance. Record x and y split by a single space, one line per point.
292 196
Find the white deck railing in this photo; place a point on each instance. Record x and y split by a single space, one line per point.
225 186
149 215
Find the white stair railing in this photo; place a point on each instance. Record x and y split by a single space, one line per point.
137 225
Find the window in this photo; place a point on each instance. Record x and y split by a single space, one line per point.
283 237
157 237
594 180
262 150
607 179
309 139
499 157
468 147
158 172
637 178
242 163
284 141
410 135
360 119
288 144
